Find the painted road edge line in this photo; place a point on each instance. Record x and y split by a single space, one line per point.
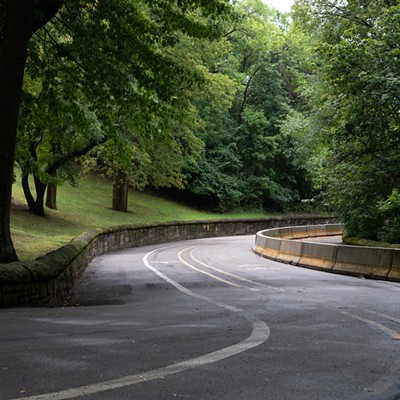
260 333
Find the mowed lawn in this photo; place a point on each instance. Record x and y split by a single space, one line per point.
88 206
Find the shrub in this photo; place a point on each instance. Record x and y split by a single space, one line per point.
390 213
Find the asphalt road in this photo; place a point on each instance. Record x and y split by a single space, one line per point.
206 319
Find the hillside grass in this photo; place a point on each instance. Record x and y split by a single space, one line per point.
357 241
88 206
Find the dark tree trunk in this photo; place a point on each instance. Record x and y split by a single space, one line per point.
19 20
27 191
16 24
51 197
36 206
39 203
120 192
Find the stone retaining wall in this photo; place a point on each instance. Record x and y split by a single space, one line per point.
369 262
47 280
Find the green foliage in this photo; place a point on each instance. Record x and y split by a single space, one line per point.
389 209
248 161
350 120
111 74
219 191
155 90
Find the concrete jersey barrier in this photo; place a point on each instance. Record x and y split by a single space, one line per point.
283 245
48 280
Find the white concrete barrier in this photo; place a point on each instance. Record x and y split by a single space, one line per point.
272 248
372 262
318 256
285 245
289 251
394 274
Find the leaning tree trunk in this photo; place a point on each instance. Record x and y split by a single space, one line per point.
16 24
27 191
36 206
120 192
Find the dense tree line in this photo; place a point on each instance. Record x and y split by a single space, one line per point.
247 160
187 95
230 104
105 65
350 121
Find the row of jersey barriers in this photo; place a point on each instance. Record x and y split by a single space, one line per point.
286 245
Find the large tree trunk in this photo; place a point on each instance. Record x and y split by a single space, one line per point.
19 19
16 23
120 192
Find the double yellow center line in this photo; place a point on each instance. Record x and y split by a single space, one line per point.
228 282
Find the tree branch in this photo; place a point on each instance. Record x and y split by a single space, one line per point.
59 162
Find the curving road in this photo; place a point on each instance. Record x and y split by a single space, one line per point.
206 319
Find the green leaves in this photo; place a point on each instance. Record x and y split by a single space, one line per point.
247 161
112 71
354 103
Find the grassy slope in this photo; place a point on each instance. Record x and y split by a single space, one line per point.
86 207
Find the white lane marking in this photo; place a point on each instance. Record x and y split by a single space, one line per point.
390 332
229 274
260 333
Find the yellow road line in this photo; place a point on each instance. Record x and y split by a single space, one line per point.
389 317
229 274
204 272
390 332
